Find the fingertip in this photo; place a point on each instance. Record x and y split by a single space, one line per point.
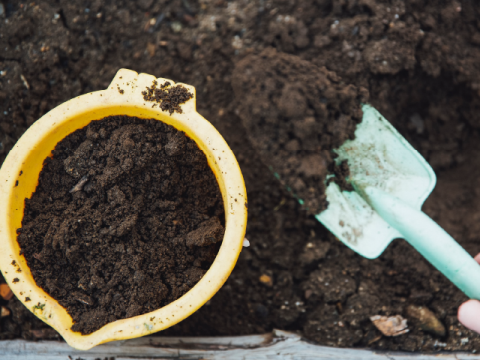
477 258
469 315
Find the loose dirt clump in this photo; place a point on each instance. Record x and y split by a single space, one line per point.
169 97
127 217
295 114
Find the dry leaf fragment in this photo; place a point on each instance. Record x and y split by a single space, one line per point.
390 326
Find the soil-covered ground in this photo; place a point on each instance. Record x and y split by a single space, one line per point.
417 58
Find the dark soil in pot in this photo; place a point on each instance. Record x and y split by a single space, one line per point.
125 219
418 60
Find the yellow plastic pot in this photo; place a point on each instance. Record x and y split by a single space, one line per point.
19 178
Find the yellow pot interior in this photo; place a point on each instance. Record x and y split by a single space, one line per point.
19 178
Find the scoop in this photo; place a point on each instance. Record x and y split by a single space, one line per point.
391 181
19 179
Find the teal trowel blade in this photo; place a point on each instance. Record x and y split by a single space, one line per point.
378 157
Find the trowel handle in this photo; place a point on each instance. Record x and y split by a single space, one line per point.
430 240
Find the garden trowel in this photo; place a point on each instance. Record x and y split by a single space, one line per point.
391 180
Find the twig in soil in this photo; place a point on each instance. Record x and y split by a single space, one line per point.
157 23
374 340
80 184
282 202
25 82
84 299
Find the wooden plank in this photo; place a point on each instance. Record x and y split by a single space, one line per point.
277 345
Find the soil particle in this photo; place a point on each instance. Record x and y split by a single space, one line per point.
313 252
169 97
208 233
330 286
122 222
296 113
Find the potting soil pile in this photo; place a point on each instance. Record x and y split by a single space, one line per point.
295 114
418 59
125 219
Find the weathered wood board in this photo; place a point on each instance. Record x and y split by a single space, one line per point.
277 345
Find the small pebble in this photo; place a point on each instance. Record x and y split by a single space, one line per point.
4 312
267 280
5 292
237 43
246 243
176 26
427 321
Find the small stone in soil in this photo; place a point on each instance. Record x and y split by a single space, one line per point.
4 312
267 280
427 321
5 292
